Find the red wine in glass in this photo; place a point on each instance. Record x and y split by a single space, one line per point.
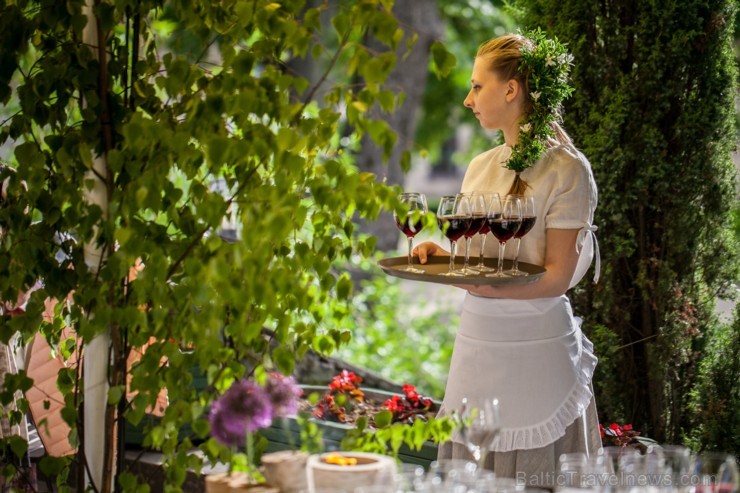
408 226
458 226
526 227
454 218
491 204
529 218
504 223
504 228
411 223
477 224
478 213
484 228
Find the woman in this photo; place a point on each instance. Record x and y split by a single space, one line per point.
521 343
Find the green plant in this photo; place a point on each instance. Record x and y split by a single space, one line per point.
400 334
143 153
715 399
653 110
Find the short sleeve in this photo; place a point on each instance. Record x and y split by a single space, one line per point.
574 196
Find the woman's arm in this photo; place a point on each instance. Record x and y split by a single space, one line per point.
560 262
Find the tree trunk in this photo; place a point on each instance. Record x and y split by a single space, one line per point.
409 76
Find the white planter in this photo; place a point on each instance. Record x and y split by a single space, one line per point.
286 470
370 470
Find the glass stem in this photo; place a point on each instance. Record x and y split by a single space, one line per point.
501 249
482 458
482 246
467 253
411 249
452 255
516 255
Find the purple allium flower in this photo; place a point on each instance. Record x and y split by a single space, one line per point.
244 407
284 394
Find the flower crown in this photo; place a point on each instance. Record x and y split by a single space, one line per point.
548 63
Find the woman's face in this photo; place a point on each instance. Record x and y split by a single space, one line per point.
492 99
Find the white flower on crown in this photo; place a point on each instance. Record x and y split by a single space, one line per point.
549 61
536 95
565 59
526 128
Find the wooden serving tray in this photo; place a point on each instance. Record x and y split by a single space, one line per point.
439 264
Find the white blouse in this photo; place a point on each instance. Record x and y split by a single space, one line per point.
565 198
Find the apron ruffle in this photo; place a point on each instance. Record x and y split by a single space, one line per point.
533 357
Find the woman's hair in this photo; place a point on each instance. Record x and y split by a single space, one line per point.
503 55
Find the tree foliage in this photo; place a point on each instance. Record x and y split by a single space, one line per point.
653 110
218 138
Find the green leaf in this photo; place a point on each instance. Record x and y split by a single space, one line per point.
344 287
115 394
383 418
342 24
201 428
406 161
444 61
18 445
284 359
28 154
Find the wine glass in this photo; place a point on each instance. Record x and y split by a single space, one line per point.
411 223
715 472
454 218
478 211
529 217
479 428
504 222
489 198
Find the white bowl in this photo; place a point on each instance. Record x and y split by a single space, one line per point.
370 470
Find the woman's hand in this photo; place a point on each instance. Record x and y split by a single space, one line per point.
427 249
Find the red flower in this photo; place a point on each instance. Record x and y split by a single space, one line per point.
627 428
394 404
616 429
601 430
345 381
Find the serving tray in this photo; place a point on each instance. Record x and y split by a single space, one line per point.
439 264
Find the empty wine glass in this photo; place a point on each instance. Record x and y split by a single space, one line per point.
411 223
489 199
479 427
715 472
529 217
479 212
454 218
504 222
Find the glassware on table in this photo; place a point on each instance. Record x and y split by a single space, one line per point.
529 217
454 218
479 427
489 199
676 461
409 477
479 212
616 462
504 221
410 224
715 472
576 471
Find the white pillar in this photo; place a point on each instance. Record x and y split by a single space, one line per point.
96 354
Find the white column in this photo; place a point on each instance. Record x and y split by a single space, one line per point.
96 353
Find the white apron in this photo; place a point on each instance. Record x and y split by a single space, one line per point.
532 356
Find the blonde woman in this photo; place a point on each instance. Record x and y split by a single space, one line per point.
521 343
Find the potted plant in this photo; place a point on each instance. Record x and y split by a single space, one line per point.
350 417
